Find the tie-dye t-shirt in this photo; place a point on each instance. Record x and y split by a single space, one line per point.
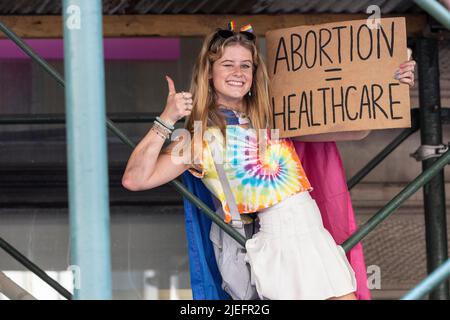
257 181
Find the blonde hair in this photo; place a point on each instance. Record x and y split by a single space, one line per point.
256 106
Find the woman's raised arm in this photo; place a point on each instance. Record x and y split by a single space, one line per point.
147 168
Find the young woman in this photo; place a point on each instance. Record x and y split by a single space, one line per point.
292 256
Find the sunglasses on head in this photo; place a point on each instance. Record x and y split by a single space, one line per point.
225 34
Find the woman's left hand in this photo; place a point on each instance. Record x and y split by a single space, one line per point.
405 73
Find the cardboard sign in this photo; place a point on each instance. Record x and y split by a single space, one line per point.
338 77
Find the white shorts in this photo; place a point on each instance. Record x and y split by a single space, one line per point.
293 257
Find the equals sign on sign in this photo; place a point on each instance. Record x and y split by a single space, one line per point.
333 70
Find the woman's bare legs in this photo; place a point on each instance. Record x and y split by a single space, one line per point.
350 296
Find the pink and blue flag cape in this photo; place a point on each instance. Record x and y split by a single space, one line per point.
324 169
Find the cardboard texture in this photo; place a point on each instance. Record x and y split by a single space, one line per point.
338 77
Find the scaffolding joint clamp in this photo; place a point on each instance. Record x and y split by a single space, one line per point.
425 151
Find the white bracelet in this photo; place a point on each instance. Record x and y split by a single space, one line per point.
168 126
159 133
161 126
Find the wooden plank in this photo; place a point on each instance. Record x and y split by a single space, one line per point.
185 25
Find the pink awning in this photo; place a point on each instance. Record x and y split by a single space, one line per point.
114 48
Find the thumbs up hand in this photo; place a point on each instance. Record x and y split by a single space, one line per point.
178 105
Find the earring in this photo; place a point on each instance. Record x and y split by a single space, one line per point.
250 93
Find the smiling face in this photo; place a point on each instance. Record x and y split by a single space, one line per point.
232 75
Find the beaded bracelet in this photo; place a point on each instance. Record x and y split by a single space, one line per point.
158 133
168 126
162 129
159 124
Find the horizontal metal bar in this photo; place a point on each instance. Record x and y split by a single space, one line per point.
34 268
434 279
403 195
140 117
46 118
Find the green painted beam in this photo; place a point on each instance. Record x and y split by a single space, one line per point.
436 10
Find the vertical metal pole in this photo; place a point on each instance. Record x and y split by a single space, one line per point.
86 147
431 134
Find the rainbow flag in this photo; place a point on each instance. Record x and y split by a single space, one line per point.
247 28
231 25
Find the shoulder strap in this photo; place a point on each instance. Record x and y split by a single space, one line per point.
235 215
229 197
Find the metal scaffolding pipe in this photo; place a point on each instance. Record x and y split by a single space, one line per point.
420 181
116 131
383 154
429 283
436 10
45 118
87 161
431 134
19 257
